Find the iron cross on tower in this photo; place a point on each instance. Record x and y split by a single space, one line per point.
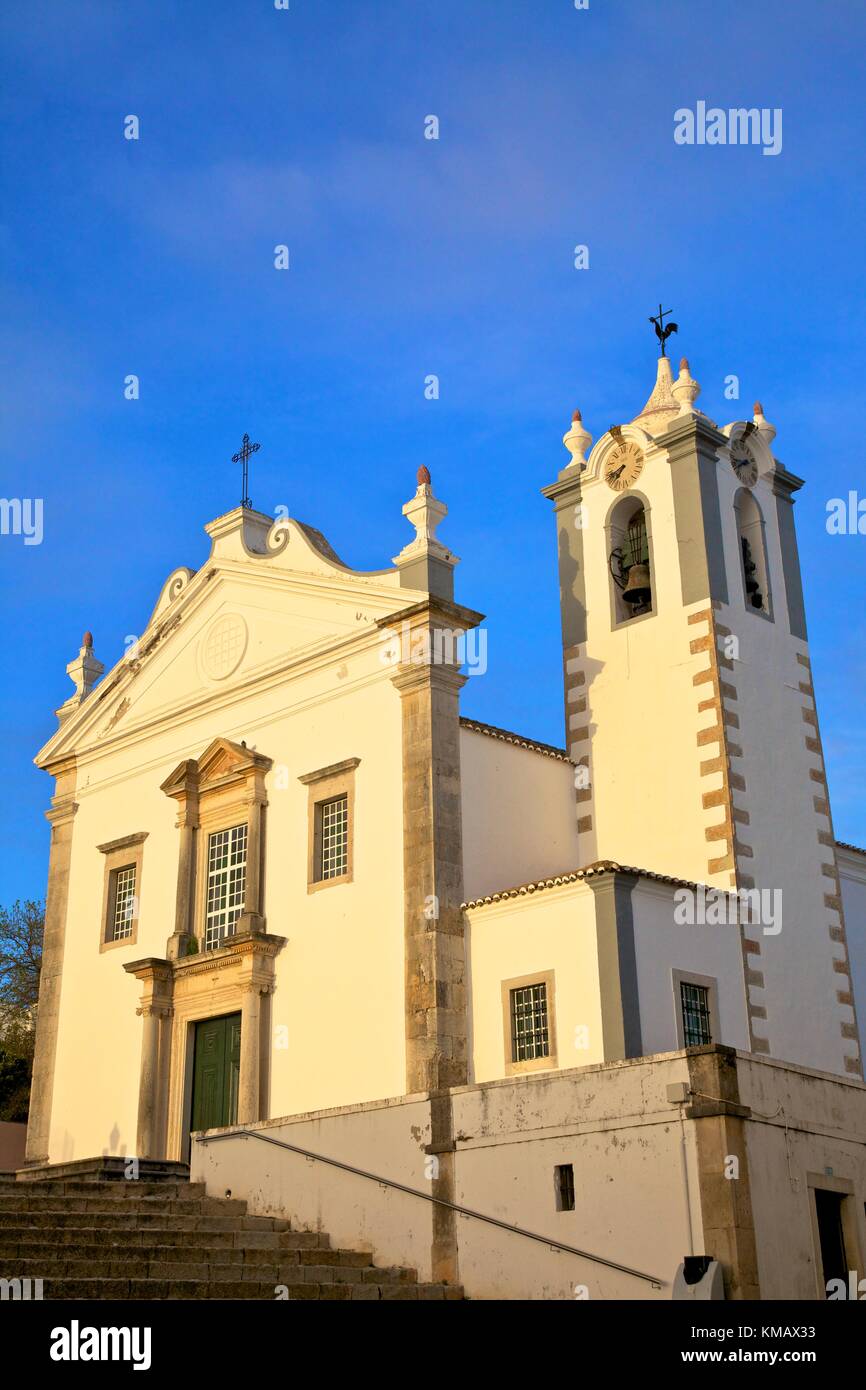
243 457
662 332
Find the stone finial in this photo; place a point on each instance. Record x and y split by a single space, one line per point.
763 426
685 389
426 563
84 672
577 441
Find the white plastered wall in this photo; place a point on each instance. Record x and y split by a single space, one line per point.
782 828
642 706
519 817
339 978
662 945
553 930
852 872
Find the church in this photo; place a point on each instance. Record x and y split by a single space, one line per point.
587 1013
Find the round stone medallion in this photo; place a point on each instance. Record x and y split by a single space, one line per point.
223 646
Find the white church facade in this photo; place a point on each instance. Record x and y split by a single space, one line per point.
293 890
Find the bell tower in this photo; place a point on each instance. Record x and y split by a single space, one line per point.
689 706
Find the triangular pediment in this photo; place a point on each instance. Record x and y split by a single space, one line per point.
244 619
222 758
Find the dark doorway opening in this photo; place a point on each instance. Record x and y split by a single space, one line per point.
834 1260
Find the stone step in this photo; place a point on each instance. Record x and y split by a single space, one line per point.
150 1289
89 1234
134 1205
21 1233
105 1169
50 1254
281 1271
113 1191
57 1218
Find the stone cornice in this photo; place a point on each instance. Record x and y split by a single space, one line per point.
150 968
235 950
335 769
62 809
684 434
785 484
125 842
433 610
416 677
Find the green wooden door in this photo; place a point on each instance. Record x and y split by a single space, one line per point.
216 1069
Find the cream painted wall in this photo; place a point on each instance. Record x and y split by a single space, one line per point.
642 707
809 1123
339 979
636 1191
782 830
642 713
613 1123
551 930
662 946
386 1138
852 871
637 1194
519 818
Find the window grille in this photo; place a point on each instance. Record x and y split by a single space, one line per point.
334 837
695 1001
530 1033
124 903
226 883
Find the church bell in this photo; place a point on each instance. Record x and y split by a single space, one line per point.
637 592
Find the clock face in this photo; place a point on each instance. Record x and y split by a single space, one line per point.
623 466
743 463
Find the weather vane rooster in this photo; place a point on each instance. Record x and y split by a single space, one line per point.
663 332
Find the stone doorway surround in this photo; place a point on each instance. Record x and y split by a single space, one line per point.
177 994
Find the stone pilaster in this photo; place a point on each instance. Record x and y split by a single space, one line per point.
249 1086
185 792
724 1191
60 815
155 1011
427 657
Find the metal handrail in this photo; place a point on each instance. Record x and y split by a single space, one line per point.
428 1197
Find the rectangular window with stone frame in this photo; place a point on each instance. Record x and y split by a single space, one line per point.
529 1023
696 1009
226 883
121 891
331 824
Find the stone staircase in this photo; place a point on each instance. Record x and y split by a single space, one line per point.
98 1237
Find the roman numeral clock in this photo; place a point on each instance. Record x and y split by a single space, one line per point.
744 463
624 466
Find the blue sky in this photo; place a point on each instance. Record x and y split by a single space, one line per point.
409 257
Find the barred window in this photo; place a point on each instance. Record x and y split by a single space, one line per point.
564 1178
226 883
530 1032
124 909
695 1002
333 836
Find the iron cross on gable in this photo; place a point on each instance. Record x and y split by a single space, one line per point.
662 332
243 457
